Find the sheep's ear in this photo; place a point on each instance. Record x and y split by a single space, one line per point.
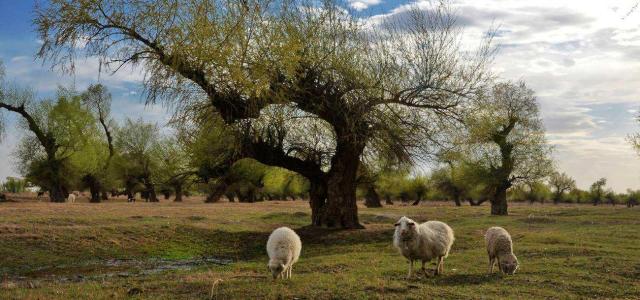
396 224
412 224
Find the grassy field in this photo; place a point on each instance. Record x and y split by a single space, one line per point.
194 250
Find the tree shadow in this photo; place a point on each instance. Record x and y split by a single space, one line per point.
467 279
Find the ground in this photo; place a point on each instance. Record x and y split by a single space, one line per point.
194 250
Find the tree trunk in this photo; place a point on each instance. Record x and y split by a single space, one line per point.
92 182
57 193
151 192
342 209
105 195
387 200
556 198
317 201
456 199
372 199
178 189
499 202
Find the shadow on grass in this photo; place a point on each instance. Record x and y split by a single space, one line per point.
467 279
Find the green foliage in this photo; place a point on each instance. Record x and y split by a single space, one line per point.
71 130
597 191
561 183
14 185
531 192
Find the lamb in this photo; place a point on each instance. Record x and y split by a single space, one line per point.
283 247
500 248
432 239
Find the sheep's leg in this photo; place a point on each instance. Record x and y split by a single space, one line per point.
410 268
441 265
491 263
289 272
438 262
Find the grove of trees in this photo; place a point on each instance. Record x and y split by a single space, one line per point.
282 99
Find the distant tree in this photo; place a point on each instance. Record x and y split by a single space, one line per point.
506 138
561 183
597 191
13 185
97 100
633 197
173 170
137 143
419 187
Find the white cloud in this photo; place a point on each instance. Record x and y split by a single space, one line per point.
363 4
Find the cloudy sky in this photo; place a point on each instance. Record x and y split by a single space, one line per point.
581 57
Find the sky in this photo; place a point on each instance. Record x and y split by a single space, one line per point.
581 57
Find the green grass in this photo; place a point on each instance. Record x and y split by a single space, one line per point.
566 252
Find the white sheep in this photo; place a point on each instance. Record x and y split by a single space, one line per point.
71 198
500 248
283 247
432 239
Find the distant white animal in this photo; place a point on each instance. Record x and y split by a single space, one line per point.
500 248
284 248
426 241
71 198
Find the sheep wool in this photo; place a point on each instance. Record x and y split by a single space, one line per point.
284 248
71 198
426 241
500 249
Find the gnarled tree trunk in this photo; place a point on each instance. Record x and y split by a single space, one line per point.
342 209
178 189
499 201
317 201
371 198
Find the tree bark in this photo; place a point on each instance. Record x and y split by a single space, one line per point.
178 190
317 201
499 201
456 198
58 192
372 199
342 209
150 191
387 200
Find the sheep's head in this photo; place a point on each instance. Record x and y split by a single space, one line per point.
508 264
405 229
276 268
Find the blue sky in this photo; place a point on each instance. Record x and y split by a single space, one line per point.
581 57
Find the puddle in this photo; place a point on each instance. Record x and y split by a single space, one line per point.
99 270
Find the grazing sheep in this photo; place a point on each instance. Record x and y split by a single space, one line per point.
500 248
432 239
283 248
71 198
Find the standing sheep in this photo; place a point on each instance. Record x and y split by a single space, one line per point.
500 248
71 198
283 247
432 239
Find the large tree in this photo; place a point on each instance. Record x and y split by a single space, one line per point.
372 88
55 131
507 139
